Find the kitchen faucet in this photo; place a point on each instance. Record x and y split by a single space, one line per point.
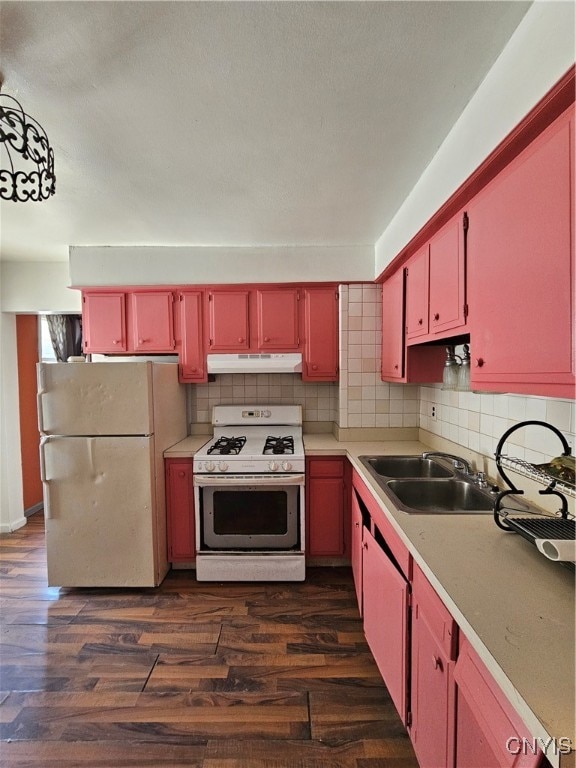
461 465
459 462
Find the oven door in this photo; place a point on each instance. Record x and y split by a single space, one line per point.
248 513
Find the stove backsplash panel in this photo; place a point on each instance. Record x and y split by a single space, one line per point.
319 401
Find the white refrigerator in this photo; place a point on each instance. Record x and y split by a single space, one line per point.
104 428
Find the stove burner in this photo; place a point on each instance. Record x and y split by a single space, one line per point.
278 445
227 445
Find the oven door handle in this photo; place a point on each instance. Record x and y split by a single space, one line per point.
212 480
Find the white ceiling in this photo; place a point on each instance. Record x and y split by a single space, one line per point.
237 123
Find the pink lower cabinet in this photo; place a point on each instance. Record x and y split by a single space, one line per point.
489 732
434 636
327 506
385 610
356 548
180 510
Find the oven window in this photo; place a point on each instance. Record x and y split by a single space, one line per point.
250 513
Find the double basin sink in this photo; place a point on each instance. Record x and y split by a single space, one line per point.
421 485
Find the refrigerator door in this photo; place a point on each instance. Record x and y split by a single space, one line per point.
100 510
95 399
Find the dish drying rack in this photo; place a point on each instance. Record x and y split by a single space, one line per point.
562 526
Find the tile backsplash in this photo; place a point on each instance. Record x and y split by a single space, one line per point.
365 400
478 421
319 401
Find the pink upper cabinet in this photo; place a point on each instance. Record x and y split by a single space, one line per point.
521 271
277 312
229 329
104 322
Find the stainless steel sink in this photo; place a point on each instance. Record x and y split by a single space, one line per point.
440 496
422 485
404 466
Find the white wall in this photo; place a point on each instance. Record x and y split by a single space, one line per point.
11 493
156 265
37 287
539 53
25 287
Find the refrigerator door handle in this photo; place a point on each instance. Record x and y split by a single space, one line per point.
40 412
44 479
41 379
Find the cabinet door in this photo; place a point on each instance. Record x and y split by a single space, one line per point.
325 507
433 693
104 322
486 723
356 549
386 619
152 321
447 278
321 334
521 272
473 744
277 312
417 281
190 337
180 509
393 327
228 321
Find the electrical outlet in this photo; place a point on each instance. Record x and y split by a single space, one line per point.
433 412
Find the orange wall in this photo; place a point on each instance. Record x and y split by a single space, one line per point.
27 339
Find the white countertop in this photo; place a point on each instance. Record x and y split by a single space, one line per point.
187 447
515 606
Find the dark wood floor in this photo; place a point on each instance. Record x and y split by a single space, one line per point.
188 674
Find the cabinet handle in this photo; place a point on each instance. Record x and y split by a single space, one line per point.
396 367
115 341
437 316
420 321
364 545
143 341
437 662
479 362
240 340
266 338
181 473
314 367
357 524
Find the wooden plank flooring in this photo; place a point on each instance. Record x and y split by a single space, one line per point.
188 674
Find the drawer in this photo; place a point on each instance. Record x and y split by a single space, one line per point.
326 467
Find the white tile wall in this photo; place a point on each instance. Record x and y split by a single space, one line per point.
364 400
478 421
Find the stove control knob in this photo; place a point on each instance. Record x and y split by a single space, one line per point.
286 466
222 466
210 466
273 466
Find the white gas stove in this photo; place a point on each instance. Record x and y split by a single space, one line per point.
253 440
250 496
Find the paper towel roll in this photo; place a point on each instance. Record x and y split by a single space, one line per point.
558 549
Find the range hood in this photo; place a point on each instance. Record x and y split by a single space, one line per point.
290 362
